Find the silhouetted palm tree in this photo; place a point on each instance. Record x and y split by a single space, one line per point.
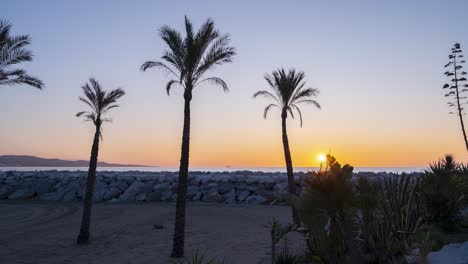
188 60
289 92
12 51
100 102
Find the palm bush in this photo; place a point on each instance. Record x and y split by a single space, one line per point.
327 211
444 186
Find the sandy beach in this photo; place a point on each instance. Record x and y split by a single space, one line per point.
45 232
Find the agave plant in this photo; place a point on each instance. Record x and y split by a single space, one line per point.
443 187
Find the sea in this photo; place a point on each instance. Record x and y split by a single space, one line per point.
214 169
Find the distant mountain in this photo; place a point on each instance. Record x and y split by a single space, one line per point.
31 161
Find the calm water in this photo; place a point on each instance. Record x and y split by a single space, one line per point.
211 169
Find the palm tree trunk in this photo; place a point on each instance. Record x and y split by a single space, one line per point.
289 166
83 237
179 229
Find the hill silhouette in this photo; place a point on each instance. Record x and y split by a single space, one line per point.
32 161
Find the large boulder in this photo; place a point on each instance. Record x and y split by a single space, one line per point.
225 187
230 197
197 196
134 189
212 196
242 195
112 192
42 186
21 194
154 196
5 191
255 199
100 190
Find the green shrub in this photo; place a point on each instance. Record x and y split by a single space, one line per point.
443 187
286 258
398 217
327 211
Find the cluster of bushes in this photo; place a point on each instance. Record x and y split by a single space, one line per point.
346 220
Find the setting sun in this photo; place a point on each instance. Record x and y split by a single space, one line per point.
322 157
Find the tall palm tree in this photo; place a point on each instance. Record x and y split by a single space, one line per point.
289 92
13 51
188 60
100 102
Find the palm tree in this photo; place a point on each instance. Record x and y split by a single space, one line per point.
100 102
289 92
13 51
187 60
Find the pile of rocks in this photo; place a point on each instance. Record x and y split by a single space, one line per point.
222 187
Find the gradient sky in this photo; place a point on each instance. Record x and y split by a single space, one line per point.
377 64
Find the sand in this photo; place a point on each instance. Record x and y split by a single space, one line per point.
41 232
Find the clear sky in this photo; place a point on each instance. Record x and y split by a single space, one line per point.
377 64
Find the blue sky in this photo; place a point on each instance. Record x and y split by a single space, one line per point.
378 65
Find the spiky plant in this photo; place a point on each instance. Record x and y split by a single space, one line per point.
457 85
12 52
188 60
100 102
289 91
327 211
278 232
443 186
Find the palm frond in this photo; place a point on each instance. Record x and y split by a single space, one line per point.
265 112
298 111
169 85
265 94
215 81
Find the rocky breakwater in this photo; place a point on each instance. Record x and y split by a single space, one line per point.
222 187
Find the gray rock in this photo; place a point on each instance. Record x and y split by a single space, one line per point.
230 197
225 187
21 194
212 196
5 191
281 186
42 186
69 196
132 191
52 196
141 197
255 199
197 196
154 196
167 196
111 193
242 195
